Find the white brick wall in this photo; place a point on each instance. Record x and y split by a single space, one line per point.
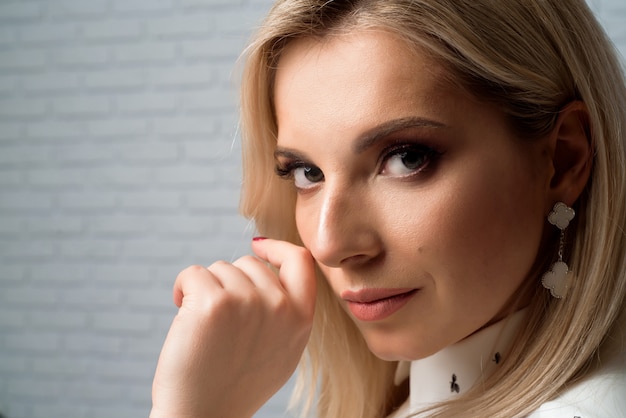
118 167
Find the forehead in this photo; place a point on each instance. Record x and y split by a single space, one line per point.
357 78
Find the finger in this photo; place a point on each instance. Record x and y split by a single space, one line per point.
259 273
194 280
230 277
296 270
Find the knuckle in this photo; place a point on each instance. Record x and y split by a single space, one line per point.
193 270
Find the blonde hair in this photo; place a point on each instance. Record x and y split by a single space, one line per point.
530 57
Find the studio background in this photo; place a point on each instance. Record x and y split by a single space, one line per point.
119 166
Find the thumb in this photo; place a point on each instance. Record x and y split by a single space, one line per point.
296 270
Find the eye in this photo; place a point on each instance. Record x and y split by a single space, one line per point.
304 175
405 160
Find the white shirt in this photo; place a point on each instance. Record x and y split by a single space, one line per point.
453 370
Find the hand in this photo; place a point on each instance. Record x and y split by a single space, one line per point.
238 335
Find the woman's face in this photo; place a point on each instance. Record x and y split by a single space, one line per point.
422 210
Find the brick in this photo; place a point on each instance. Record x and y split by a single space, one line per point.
179 26
237 23
7 36
54 226
16 11
183 226
12 274
185 176
19 154
16 296
157 299
51 82
124 322
224 48
31 341
148 52
23 108
57 273
125 176
216 199
10 131
117 127
24 200
115 79
142 5
182 76
22 60
87 200
8 85
148 152
118 226
46 33
58 177
64 409
58 320
10 177
89 299
14 363
117 410
92 248
85 153
93 55
152 249
55 130
95 391
82 107
77 8
36 387
208 100
92 343
130 275
110 30
149 200
11 228
148 103
184 125
209 4
11 319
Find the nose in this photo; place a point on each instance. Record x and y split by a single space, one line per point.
345 233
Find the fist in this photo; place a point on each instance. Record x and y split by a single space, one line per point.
238 335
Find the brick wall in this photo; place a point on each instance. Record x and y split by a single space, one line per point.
118 167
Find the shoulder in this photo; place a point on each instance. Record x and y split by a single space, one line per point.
602 394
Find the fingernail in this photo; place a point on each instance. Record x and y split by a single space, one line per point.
258 238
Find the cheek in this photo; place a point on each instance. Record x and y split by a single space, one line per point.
497 230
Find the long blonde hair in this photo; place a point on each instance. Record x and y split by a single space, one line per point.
531 57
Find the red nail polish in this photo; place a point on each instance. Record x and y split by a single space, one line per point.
258 238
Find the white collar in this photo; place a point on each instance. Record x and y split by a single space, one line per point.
456 368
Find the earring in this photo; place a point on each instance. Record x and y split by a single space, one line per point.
556 279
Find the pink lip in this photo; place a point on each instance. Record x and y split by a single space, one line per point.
376 304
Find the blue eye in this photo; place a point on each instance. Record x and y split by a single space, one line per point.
406 160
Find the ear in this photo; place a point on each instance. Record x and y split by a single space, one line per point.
572 154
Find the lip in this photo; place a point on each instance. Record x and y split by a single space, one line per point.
376 304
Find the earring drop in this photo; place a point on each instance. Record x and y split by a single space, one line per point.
557 278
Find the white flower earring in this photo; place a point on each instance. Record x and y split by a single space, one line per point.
557 278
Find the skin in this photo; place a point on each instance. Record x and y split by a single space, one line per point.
411 184
462 223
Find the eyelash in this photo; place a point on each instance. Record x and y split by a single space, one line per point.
429 154
286 169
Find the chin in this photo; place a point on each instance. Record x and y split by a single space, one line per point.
390 350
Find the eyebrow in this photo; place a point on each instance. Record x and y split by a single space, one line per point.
371 137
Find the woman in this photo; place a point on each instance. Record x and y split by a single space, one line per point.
444 186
